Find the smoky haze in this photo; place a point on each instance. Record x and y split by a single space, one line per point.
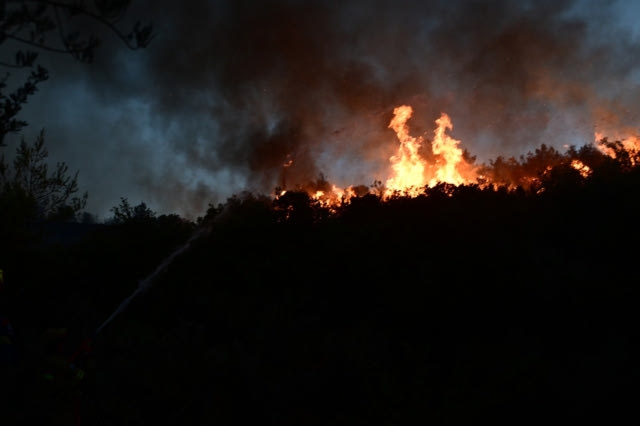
229 91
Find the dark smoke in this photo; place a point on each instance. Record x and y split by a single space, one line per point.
230 90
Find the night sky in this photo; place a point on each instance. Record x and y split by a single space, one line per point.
230 90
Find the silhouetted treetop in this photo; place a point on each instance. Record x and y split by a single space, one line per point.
125 213
52 193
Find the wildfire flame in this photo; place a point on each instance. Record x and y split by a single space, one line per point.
585 171
407 164
631 144
412 173
450 170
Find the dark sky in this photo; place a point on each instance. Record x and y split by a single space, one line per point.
229 90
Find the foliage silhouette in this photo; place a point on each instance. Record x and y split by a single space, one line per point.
53 194
124 213
11 104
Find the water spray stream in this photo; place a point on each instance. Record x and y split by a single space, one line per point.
148 281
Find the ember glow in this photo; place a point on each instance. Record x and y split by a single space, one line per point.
585 171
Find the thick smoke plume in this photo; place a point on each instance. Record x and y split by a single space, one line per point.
230 91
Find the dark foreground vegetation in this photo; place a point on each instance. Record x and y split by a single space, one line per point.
462 306
455 307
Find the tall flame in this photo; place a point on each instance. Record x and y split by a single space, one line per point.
407 164
447 147
412 172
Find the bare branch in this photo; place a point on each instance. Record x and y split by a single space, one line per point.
42 46
44 16
108 23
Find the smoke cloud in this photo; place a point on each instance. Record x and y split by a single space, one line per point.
230 91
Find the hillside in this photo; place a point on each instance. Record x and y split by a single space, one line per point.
458 304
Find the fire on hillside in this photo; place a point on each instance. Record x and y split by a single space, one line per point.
420 163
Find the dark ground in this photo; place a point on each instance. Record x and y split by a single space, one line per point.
483 306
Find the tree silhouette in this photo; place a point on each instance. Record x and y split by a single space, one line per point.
297 208
124 213
49 194
11 104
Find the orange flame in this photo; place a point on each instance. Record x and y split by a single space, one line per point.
407 164
335 197
447 147
410 168
630 143
411 173
585 171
